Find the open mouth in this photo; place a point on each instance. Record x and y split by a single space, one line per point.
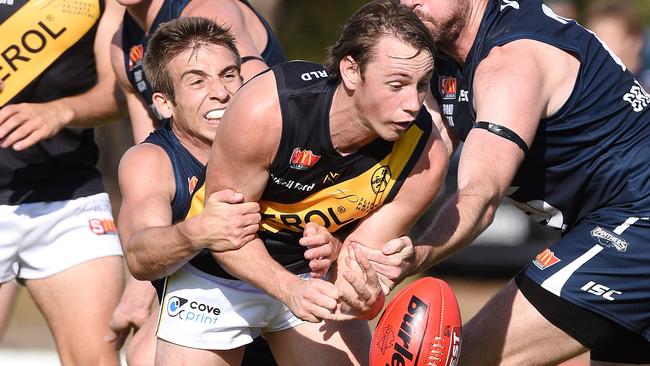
214 116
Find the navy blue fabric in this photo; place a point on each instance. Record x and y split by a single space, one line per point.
587 171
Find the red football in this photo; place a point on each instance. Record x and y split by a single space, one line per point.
420 326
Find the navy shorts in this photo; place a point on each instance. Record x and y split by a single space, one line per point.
602 265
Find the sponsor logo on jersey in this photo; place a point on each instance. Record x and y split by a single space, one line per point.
447 85
545 259
101 227
303 159
609 239
6 2
600 290
509 3
135 56
191 183
380 179
331 177
637 97
292 184
464 96
309 76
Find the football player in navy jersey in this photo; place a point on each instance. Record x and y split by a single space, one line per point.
553 119
258 45
259 48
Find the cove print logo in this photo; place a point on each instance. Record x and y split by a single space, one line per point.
174 307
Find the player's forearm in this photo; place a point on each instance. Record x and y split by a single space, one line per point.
159 251
139 294
461 219
253 263
102 103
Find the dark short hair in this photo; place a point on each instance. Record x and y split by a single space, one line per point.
177 36
367 25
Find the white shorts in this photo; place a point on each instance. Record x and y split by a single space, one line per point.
207 312
40 239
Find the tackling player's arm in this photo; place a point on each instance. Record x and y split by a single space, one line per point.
228 13
513 95
244 147
153 246
24 124
392 220
142 121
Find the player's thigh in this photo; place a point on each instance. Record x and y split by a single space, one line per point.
141 349
8 294
508 330
170 354
78 302
325 343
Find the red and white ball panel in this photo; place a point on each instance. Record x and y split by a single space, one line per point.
421 326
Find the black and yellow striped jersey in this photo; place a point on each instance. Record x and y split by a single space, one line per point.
310 181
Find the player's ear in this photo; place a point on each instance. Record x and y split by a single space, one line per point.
163 104
350 72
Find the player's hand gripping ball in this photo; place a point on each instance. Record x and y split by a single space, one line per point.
421 326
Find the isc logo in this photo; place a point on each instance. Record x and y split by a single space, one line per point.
600 290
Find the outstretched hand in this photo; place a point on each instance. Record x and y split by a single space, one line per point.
311 300
394 262
361 294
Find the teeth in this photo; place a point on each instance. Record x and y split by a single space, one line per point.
215 114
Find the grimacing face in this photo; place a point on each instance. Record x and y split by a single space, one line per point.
395 82
204 81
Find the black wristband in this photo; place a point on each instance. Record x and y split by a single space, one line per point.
251 58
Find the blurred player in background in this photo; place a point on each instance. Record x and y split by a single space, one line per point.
58 235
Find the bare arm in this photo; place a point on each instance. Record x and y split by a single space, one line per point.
24 124
241 161
397 217
153 246
514 95
228 13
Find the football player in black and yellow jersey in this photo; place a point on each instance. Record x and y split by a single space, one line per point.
58 235
346 147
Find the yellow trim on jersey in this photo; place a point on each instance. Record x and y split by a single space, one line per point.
197 204
38 34
349 200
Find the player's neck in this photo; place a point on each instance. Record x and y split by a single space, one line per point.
145 12
197 146
461 47
347 130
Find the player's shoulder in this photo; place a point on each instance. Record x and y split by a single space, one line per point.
220 9
144 156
